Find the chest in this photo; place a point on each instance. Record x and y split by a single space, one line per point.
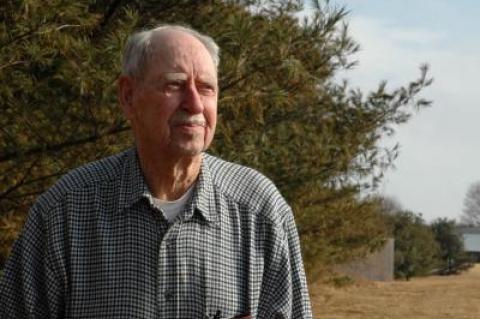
135 265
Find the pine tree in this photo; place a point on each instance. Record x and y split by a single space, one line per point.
281 110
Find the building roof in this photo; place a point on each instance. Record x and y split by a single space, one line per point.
468 230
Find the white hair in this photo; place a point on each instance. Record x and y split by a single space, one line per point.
138 49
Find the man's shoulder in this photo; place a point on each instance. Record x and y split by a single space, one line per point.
93 174
244 184
227 174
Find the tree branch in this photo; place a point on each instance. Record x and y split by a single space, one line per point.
110 11
57 147
21 182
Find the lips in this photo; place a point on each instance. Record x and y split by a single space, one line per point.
191 124
189 121
190 127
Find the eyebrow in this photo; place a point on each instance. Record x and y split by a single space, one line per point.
175 76
179 76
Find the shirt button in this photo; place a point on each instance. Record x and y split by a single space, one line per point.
168 295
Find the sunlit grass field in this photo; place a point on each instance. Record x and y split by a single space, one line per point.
438 297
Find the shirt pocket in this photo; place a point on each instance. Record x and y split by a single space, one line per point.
228 291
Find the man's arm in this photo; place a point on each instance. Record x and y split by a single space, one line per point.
284 291
29 287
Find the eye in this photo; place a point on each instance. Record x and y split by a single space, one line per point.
174 85
206 89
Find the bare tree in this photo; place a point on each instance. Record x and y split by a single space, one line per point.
471 206
390 205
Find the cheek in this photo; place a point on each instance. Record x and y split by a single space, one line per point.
210 132
211 115
155 111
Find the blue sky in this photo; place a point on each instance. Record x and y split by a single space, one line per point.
440 146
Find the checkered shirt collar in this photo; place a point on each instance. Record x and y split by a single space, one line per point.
133 188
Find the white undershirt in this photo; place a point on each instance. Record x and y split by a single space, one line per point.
171 209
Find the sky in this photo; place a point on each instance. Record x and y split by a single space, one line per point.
439 147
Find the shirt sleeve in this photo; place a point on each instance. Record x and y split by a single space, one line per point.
30 285
284 292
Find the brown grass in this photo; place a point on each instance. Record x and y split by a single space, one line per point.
438 297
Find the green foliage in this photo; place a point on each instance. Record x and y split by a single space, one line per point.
416 250
452 253
280 109
58 64
336 227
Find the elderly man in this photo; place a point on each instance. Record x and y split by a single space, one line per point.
162 230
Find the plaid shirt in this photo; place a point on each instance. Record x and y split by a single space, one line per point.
94 246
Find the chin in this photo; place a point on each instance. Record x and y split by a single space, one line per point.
188 151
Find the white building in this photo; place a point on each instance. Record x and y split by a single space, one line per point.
471 240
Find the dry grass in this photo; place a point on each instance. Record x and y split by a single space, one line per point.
438 297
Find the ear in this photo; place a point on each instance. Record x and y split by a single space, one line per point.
126 88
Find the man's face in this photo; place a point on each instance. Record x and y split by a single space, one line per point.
173 108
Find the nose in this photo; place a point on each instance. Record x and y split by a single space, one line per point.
192 102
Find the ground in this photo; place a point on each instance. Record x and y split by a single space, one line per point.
438 297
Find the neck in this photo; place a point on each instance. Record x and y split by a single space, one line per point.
169 177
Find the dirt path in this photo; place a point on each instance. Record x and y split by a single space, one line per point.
436 297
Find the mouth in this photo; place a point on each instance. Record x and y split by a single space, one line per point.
190 124
190 127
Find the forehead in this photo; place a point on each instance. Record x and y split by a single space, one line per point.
174 52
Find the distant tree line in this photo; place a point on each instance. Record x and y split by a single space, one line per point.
423 249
